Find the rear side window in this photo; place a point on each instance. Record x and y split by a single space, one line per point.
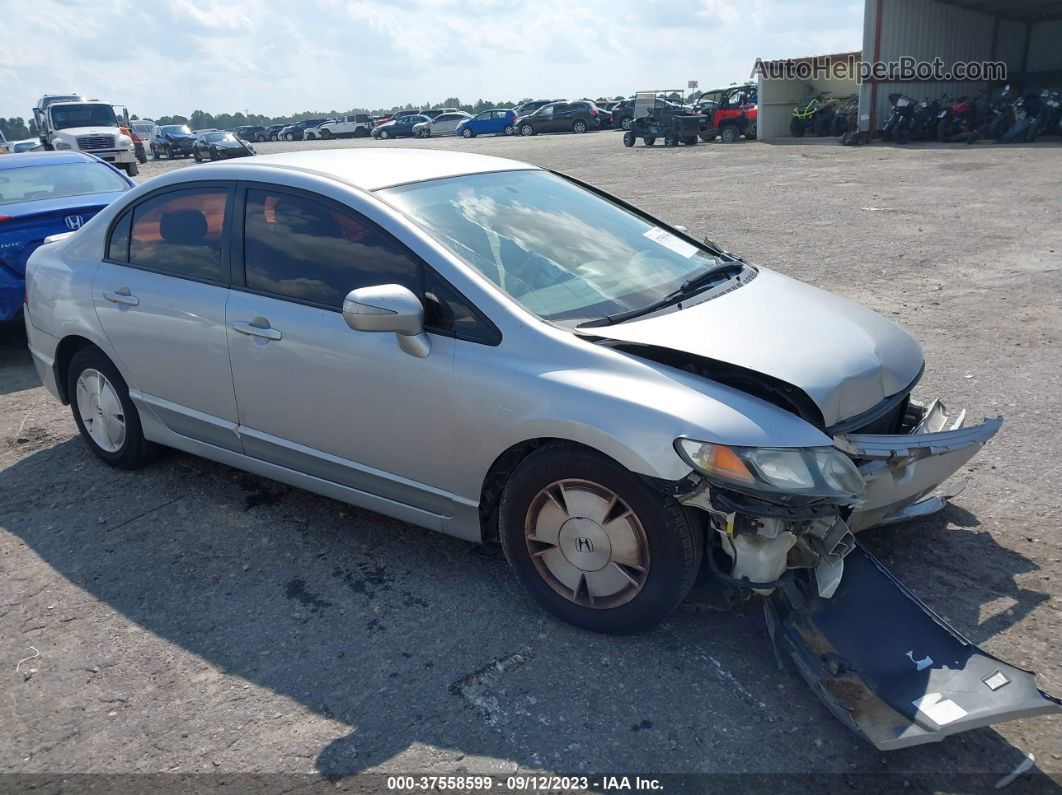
118 242
307 250
181 233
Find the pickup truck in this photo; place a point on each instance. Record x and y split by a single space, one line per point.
354 126
71 123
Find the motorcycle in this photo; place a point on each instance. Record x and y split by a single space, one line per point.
996 119
957 120
898 126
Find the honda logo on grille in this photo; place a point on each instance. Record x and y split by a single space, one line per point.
73 222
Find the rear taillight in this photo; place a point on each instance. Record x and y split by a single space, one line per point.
4 218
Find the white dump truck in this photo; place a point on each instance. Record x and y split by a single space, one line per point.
71 122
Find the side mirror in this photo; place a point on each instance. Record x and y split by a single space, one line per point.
389 307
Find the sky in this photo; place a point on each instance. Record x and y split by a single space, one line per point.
278 57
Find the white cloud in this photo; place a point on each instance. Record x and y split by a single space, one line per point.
175 56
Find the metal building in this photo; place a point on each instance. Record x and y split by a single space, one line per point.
1026 35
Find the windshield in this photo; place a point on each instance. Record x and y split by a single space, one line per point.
213 138
176 129
31 183
66 116
559 250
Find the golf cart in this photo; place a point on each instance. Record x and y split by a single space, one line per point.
656 117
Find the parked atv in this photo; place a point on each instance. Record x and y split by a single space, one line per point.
814 113
733 115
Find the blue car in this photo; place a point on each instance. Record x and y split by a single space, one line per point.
498 121
41 194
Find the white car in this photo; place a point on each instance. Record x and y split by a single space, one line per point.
443 124
313 133
357 125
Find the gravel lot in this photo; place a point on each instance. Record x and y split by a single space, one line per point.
192 618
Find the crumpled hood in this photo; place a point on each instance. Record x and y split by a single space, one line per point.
846 358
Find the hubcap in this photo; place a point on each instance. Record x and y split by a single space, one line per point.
587 544
100 410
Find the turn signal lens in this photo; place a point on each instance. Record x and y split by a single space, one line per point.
718 460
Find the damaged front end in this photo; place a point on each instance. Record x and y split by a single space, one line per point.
784 529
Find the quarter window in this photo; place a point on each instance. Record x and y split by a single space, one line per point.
181 233
303 249
118 243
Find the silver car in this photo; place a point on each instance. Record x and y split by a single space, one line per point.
443 124
503 353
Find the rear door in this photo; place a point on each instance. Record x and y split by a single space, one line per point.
160 295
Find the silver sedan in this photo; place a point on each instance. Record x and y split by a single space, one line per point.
499 352
443 124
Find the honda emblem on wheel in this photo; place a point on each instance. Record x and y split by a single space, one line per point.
73 222
584 545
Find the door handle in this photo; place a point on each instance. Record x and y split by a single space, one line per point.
254 330
122 296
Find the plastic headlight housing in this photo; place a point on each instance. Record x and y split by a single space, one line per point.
62 145
795 471
124 140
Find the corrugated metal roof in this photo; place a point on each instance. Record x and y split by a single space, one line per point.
1021 10
838 56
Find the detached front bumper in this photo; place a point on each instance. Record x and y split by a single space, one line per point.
888 667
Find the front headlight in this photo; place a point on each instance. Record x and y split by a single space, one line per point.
62 145
797 471
124 140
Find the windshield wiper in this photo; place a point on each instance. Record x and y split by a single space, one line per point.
688 287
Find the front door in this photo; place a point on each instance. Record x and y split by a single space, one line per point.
315 396
160 296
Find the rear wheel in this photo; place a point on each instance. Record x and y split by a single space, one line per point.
903 134
195 154
690 140
578 126
707 137
796 128
730 134
509 129
527 129
326 134
649 141
593 544
132 169
104 414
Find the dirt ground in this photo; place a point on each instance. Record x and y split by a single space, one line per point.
190 618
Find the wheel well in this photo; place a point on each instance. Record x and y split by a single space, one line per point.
63 356
498 475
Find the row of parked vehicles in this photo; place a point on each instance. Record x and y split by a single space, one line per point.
728 114
1007 117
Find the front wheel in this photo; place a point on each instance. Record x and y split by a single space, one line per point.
384 134
730 135
594 544
578 126
509 129
326 134
649 141
132 169
289 137
626 124
195 154
628 138
467 133
527 129
690 140
104 413
796 128
155 153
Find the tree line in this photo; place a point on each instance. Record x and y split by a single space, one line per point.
16 128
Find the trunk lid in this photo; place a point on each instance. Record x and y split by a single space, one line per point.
30 222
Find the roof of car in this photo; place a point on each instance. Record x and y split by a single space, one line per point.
371 169
20 159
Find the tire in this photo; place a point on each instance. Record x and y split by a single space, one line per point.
361 132
730 134
650 141
384 135
626 124
195 154
690 140
708 137
902 134
823 124
260 139
509 130
467 133
637 588
134 450
326 135
274 137
167 151
132 169
578 126
628 138
155 153
527 129
289 137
